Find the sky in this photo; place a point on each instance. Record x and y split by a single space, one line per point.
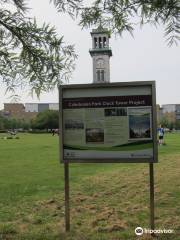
143 57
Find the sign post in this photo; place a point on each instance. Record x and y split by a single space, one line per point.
108 123
151 174
66 187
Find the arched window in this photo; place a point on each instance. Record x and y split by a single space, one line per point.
98 75
102 76
104 42
100 42
95 42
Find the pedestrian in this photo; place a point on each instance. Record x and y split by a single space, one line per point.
161 135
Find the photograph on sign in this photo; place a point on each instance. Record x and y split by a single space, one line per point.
139 123
107 123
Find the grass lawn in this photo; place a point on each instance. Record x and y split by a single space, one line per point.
108 201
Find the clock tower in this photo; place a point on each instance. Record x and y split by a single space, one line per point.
100 54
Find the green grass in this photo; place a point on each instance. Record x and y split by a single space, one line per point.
108 201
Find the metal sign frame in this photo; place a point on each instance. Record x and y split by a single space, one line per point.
151 163
150 84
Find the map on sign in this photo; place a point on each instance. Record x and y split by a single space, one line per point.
107 123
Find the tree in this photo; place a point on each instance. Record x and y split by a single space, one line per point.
167 122
12 123
1 123
37 57
124 15
177 124
48 119
31 55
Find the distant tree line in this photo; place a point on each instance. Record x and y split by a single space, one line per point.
166 123
48 119
12 123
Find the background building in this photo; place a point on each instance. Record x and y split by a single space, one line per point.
27 111
31 107
54 106
40 107
17 111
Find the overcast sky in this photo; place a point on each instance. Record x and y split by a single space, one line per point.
144 57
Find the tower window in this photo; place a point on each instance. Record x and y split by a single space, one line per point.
98 75
95 43
102 75
104 42
100 42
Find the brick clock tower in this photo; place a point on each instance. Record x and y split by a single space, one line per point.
100 54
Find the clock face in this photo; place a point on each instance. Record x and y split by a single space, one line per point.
100 63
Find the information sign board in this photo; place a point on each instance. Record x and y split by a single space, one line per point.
112 122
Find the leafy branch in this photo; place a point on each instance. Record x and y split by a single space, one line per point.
123 15
31 55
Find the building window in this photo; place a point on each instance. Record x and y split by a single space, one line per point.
95 43
102 75
98 75
100 42
104 42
